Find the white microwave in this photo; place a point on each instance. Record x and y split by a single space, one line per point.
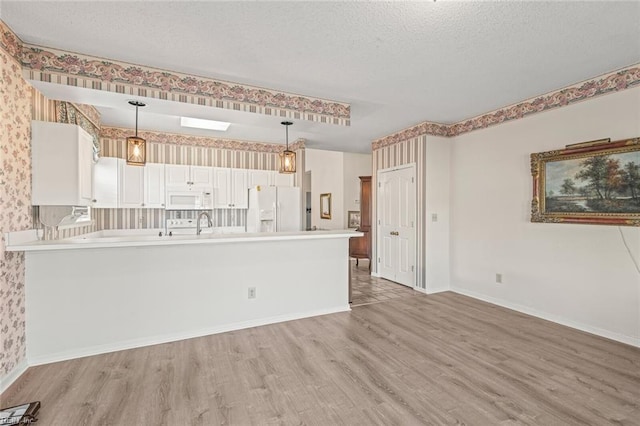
189 200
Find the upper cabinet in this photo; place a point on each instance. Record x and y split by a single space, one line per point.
142 186
131 186
187 177
230 188
154 195
259 178
117 184
106 180
282 179
62 165
268 178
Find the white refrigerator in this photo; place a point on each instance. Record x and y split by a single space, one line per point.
274 209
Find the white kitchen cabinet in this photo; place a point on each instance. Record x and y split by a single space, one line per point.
154 194
131 186
62 165
106 179
230 188
142 186
200 177
269 178
282 179
259 177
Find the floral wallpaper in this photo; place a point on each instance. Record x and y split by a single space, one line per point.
15 206
73 69
607 83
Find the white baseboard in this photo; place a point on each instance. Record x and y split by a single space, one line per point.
629 340
13 375
436 290
375 274
156 340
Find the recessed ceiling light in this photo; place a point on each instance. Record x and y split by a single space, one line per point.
199 123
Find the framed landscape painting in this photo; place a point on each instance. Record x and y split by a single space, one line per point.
592 182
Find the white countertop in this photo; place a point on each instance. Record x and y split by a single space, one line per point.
26 241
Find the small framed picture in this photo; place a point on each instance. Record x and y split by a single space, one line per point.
325 206
353 219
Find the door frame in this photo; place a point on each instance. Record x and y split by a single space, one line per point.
379 173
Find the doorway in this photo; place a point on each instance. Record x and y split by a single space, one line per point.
396 209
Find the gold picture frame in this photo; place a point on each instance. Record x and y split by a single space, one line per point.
597 182
353 219
325 206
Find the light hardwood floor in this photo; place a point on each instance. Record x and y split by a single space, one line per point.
440 359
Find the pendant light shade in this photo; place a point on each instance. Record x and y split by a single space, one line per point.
136 147
287 158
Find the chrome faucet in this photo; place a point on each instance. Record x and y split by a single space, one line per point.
209 222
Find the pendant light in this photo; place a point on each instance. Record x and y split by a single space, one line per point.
136 147
287 158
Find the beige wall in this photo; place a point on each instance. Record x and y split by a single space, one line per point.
579 275
15 209
327 176
354 166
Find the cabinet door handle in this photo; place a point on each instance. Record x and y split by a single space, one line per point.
94 201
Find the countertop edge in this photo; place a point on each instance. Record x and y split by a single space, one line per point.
78 243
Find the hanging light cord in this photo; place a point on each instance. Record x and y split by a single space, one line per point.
287 132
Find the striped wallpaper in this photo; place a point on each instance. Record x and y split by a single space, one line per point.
406 152
169 153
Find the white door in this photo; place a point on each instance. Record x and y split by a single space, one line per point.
131 186
154 194
177 175
258 177
239 189
86 167
396 225
221 188
283 179
105 183
288 209
201 176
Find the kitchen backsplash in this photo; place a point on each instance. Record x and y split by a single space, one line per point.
155 218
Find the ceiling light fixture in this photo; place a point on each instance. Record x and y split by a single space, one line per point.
287 158
199 123
136 147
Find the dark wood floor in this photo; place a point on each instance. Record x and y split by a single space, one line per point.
439 359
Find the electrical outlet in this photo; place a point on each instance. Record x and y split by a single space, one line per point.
498 278
252 293
434 217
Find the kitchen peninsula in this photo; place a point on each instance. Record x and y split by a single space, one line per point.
100 293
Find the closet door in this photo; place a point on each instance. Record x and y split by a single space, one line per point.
396 225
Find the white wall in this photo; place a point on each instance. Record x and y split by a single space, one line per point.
354 166
437 199
327 176
578 275
96 300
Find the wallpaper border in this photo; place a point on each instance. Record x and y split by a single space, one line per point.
9 42
73 69
202 141
615 81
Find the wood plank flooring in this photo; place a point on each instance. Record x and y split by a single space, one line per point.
441 359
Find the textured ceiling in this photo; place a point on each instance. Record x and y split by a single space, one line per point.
396 63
